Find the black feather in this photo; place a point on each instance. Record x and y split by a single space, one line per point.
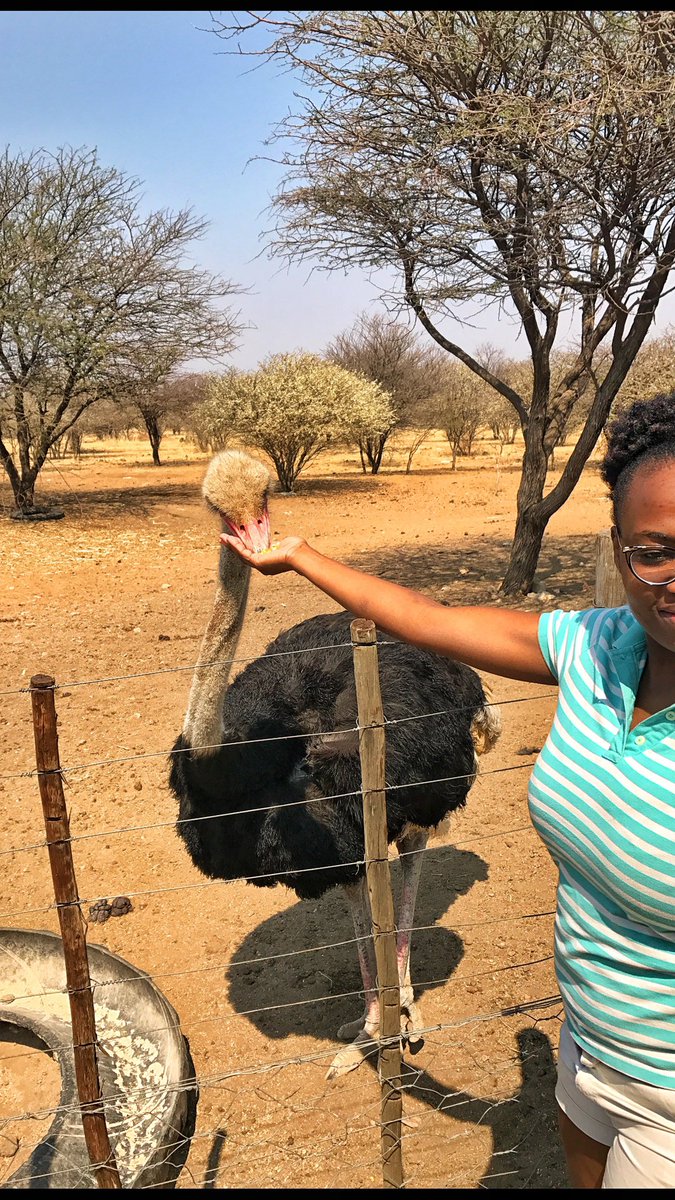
312 694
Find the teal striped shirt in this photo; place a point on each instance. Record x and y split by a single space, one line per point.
602 798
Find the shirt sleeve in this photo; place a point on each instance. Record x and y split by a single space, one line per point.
557 635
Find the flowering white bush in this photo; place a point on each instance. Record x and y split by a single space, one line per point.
293 407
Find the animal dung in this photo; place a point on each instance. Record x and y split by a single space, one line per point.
103 909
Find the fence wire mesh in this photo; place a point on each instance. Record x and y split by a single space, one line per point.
261 983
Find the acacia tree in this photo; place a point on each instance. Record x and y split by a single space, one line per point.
389 353
653 371
518 158
95 301
173 400
461 408
293 407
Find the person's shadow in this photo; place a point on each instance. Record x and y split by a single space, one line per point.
526 1148
328 984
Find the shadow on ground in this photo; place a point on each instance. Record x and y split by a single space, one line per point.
470 571
524 1130
448 873
106 503
526 1150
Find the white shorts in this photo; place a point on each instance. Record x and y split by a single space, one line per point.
636 1120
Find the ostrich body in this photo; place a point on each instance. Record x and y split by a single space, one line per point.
281 739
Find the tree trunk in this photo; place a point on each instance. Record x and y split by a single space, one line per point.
24 493
531 520
287 472
371 451
525 549
155 435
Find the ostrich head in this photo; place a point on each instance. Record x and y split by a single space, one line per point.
236 487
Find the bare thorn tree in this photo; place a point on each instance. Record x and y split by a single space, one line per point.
96 301
172 402
386 352
518 158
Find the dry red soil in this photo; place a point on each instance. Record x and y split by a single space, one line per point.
118 594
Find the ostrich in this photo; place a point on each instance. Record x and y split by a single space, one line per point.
273 758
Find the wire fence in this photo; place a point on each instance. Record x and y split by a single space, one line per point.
478 1109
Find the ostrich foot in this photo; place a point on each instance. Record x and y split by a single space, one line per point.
411 1026
351 1057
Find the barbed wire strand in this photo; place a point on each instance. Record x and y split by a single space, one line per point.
194 1082
285 737
251 1012
197 666
242 812
214 662
247 962
185 887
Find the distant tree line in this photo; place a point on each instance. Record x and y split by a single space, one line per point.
373 382
513 160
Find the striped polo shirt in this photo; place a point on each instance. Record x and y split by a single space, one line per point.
602 798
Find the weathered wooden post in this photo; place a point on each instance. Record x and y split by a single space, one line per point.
372 754
72 932
609 589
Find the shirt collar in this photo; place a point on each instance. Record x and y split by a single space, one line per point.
633 640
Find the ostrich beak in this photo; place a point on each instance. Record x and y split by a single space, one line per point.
253 534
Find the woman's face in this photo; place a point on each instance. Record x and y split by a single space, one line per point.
647 518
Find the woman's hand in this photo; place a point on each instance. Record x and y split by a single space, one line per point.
270 562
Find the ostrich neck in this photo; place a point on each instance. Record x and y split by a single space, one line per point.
202 727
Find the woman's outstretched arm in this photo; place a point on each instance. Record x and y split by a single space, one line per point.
498 640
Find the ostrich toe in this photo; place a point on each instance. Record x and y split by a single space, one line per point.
412 1024
351 1029
411 1027
351 1057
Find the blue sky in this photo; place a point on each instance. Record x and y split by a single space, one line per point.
157 96
160 100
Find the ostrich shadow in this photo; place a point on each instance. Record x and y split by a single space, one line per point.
526 1150
323 977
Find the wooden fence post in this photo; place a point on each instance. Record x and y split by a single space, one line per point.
372 753
72 933
609 589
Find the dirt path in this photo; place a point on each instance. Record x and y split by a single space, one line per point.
123 586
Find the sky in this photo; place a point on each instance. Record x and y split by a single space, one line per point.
159 98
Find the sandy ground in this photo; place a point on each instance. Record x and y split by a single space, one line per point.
123 586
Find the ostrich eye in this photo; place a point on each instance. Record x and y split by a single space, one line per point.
242 527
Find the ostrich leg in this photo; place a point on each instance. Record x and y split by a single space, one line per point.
410 846
362 1033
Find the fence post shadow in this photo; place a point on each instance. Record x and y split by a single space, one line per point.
214 1159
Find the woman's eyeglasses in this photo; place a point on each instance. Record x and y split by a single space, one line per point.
651 564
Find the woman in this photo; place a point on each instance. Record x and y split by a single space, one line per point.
602 797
